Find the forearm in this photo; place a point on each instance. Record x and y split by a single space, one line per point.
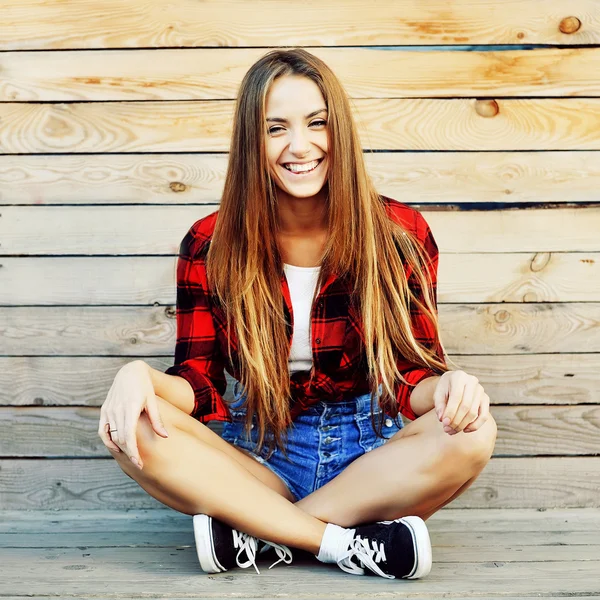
421 398
172 388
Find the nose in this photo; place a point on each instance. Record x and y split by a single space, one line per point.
299 144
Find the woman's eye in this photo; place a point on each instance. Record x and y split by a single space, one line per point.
319 123
275 129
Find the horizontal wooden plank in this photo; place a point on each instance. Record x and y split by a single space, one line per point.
510 277
477 523
383 124
504 328
85 380
539 482
184 546
134 24
71 432
211 73
463 178
125 572
456 547
129 230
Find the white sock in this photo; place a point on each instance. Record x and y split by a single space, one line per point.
335 541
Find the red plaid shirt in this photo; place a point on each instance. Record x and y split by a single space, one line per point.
338 362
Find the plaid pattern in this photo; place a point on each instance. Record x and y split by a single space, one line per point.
338 362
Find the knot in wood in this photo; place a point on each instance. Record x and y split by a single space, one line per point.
502 316
570 25
177 186
486 108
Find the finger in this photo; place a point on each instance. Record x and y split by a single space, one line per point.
104 434
440 395
131 443
471 415
456 386
484 413
465 407
155 419
117 434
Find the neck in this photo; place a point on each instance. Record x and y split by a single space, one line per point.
302 216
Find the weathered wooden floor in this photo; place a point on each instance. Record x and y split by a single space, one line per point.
480 554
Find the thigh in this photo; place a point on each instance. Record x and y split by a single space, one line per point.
174 417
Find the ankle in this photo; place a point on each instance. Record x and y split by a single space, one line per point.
335 542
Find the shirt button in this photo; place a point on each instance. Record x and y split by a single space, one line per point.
388 422
318 340
320 303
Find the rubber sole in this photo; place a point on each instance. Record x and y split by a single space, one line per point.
422 547
205 545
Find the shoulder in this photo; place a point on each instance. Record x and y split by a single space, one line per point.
196 240
409 218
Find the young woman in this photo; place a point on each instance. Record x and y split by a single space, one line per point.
318 296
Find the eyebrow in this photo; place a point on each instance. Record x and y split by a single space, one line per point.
281 120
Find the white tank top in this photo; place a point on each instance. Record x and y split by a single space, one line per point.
302 282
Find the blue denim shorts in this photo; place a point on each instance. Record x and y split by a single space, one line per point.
322 441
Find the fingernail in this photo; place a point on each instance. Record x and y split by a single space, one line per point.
134 461
165 432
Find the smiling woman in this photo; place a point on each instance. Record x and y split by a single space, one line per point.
297 149
318 295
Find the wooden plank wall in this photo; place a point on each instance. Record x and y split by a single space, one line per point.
113 141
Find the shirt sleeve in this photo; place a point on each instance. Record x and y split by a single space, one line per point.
423 330
197 355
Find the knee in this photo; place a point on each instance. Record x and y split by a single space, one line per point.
145 439
474 448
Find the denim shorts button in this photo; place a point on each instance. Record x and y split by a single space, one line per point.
388 422
328 440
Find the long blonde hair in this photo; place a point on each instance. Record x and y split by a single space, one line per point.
244 264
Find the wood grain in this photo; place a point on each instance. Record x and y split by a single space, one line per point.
72 432
211 73
127 230
383 124
461 178
504 328
151 280
531 379
95 483
71 24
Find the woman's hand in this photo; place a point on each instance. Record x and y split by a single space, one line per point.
131 393
460 402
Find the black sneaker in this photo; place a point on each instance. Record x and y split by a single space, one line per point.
391 549
220 547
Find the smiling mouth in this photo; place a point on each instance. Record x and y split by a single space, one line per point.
303 171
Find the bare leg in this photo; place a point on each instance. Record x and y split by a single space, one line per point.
189 474
419 470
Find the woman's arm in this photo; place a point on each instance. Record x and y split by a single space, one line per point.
173 388
421 397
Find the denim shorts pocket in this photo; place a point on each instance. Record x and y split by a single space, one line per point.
237 435
368 439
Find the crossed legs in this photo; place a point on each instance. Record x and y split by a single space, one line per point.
419 470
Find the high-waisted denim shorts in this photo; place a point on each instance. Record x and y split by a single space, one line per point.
322 441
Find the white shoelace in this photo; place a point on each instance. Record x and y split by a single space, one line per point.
249 544
284 553
368 556
246 543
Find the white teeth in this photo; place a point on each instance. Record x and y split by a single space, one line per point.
296 168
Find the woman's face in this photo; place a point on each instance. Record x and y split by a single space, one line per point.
297 136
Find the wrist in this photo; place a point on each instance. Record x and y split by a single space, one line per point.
421 397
